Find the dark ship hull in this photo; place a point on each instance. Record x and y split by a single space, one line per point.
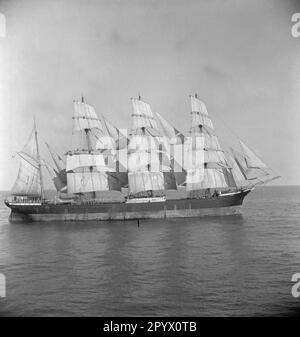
224 204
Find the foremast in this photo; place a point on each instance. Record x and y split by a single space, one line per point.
205 161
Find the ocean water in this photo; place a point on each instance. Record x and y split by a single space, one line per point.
230 266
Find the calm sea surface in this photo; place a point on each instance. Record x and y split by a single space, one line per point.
238 265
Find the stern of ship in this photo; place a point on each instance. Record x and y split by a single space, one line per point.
17 215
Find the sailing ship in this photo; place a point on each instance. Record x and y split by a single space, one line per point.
154 172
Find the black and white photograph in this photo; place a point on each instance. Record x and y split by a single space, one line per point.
149 161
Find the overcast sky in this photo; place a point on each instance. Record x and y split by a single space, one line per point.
239 56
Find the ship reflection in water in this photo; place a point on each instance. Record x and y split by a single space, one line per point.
236 265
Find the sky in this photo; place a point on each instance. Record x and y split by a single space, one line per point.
239 56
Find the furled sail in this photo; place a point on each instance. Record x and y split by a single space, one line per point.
148 163
28 182
205 160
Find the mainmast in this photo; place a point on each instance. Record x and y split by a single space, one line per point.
145 177
39 162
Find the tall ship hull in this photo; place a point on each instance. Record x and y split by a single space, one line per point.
136 209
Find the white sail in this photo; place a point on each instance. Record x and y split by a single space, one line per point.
75 161
202 178
194 178
215 158
141 181
200 114
28 180
85 117
194 161
142 116
172 144
138 161
116 138
145 152
198 106
251 173
251 158
172 134
93 165
142 143
194 152
107 138
83 182
214 178
111 130
205 160
236 170
211 142
87 172
58 161
144 161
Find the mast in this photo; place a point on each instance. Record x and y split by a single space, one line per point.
87 132
39 162
149 171
88 139
86 166
206 165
